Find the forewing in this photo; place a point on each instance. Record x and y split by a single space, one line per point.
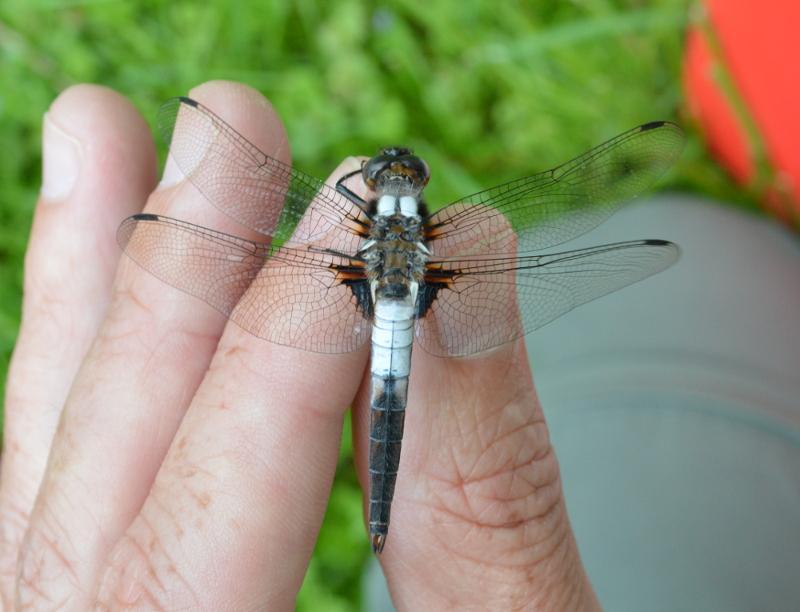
552 207
253 188
290 296
485 302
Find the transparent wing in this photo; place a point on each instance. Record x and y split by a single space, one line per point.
477 304
552 207
253 188
300 297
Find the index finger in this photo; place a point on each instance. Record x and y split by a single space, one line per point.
231 520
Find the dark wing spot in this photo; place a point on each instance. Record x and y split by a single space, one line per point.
652 125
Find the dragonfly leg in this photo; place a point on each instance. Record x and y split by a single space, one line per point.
346 192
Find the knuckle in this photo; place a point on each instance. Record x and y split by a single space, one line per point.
500 487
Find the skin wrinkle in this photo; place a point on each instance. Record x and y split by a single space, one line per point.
536 568
498 498
243 357
146 555
204 461
125 294
239 460
474 522
13 520
23 488
33 565
165 511
517 582
478 528
202 498
187 470
29 580
120 595
509 464
465 437
248 461
469 483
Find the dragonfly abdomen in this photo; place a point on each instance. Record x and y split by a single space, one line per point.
392 337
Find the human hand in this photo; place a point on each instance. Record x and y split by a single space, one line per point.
155 457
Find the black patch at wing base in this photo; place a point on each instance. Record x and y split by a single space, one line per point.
360 289
425 296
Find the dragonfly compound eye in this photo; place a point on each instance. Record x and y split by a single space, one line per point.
396 169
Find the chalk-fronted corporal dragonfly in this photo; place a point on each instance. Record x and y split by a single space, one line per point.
335 270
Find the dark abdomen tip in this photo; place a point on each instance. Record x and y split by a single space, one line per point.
378 542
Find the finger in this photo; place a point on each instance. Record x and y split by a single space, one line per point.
478 517
99 166
130 394
231 520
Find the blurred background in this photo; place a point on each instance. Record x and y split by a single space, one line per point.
485 92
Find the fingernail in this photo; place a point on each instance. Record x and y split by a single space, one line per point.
190 152
172 174
61 161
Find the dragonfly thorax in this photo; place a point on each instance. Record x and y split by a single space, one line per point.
395 255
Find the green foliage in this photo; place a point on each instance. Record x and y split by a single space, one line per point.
484 91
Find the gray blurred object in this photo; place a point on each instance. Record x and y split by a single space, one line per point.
674 409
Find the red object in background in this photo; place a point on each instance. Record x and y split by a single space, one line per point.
758 45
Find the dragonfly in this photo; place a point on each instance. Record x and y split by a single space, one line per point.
335 270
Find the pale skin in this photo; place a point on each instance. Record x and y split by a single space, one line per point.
156 457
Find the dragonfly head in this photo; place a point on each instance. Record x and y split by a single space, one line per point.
396 171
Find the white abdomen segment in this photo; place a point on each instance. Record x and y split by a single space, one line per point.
392 337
